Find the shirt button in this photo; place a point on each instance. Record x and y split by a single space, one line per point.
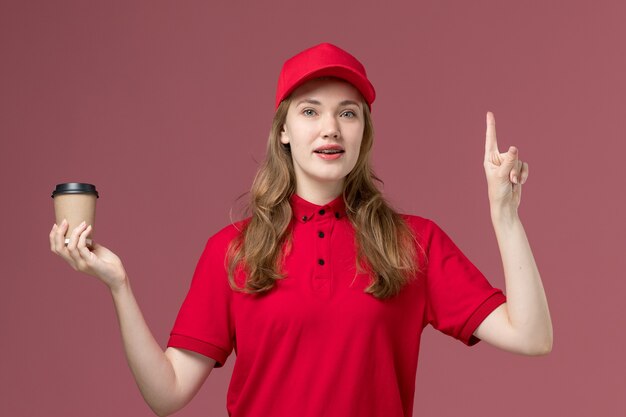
337 214
304 218
322 211
320 234
320 261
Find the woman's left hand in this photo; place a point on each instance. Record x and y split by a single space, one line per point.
505 172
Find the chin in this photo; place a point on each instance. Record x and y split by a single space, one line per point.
332 177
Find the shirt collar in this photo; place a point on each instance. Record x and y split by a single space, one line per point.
304 210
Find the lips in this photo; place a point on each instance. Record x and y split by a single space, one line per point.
329 149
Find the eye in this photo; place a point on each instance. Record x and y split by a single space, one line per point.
350 114
308 112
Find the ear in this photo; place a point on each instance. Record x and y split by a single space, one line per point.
284 137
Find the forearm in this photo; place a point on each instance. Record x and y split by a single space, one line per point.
152 370
526 299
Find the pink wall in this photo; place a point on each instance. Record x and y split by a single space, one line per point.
166 106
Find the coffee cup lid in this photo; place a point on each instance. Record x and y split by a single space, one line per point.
75 188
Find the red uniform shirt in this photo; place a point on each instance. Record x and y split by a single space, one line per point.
316 345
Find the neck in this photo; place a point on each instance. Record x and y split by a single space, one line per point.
319 194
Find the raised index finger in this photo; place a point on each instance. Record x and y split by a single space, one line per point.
491 144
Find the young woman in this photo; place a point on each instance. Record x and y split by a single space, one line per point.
323 291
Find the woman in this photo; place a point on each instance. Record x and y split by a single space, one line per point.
324 289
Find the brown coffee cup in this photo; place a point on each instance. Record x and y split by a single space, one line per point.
75 202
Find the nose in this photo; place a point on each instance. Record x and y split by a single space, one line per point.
330 128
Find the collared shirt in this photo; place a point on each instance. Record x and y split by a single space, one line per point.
317 345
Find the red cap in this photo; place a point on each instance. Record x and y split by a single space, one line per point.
321 60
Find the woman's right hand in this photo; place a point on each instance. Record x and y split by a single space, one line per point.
99 261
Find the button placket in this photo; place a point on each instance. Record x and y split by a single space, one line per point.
321 279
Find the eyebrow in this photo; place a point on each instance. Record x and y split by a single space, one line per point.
316 102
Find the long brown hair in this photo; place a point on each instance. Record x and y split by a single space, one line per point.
386 247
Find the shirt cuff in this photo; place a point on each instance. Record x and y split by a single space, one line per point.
479 315
199 346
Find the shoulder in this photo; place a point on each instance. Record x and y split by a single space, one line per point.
416 221
222 238
423 228
429 235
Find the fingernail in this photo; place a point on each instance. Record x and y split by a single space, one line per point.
81 224
63 222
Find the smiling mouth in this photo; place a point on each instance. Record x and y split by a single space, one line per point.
330 151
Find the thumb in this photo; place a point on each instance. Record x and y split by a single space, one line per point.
509 161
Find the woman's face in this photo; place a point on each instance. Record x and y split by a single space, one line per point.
324 113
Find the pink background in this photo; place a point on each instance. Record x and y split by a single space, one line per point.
166 106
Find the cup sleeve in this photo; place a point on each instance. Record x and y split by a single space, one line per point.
459 297
205 322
